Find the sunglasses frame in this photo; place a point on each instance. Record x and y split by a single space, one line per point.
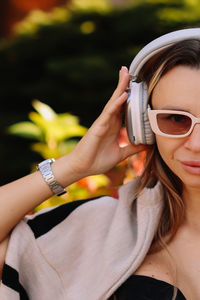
152 114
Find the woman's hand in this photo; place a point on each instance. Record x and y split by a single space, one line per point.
98 151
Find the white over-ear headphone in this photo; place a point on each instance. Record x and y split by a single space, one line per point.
137 121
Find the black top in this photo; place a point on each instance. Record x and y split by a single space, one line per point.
140 287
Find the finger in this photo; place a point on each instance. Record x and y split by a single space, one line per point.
116 106
122 86
124 78
123 82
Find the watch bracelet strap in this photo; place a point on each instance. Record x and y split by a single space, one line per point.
45 168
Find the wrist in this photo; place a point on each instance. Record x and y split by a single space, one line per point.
65 170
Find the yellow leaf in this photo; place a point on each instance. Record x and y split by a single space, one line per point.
44 110
26 130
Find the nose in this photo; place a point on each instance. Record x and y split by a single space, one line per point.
193 140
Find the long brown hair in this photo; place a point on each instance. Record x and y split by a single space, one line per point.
185 53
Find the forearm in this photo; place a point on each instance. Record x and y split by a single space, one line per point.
23 195
97 152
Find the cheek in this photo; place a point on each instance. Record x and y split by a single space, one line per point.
167 148
169 151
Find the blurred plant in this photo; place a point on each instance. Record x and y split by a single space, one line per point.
37 18
56 135
183 11
55 132
189 12
88 5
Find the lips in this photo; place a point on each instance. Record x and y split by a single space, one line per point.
191 163
192 167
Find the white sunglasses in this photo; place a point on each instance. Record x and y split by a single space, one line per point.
171 123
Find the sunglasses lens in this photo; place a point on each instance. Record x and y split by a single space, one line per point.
174 124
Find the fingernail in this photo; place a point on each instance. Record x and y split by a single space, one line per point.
124 68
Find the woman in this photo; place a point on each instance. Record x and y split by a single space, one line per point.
141 246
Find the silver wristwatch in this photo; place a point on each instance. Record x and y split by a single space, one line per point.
47 173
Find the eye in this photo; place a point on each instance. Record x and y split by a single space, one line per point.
176 118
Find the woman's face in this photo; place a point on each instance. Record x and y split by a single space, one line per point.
179 89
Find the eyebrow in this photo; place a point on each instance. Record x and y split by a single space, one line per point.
171 107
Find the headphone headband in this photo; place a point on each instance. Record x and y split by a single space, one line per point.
159 44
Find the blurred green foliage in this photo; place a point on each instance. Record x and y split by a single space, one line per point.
70 57
57 135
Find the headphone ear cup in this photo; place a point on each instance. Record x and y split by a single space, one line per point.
147 133
137 121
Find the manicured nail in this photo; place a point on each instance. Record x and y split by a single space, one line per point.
124 68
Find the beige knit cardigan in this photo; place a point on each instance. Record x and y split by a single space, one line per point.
85 256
